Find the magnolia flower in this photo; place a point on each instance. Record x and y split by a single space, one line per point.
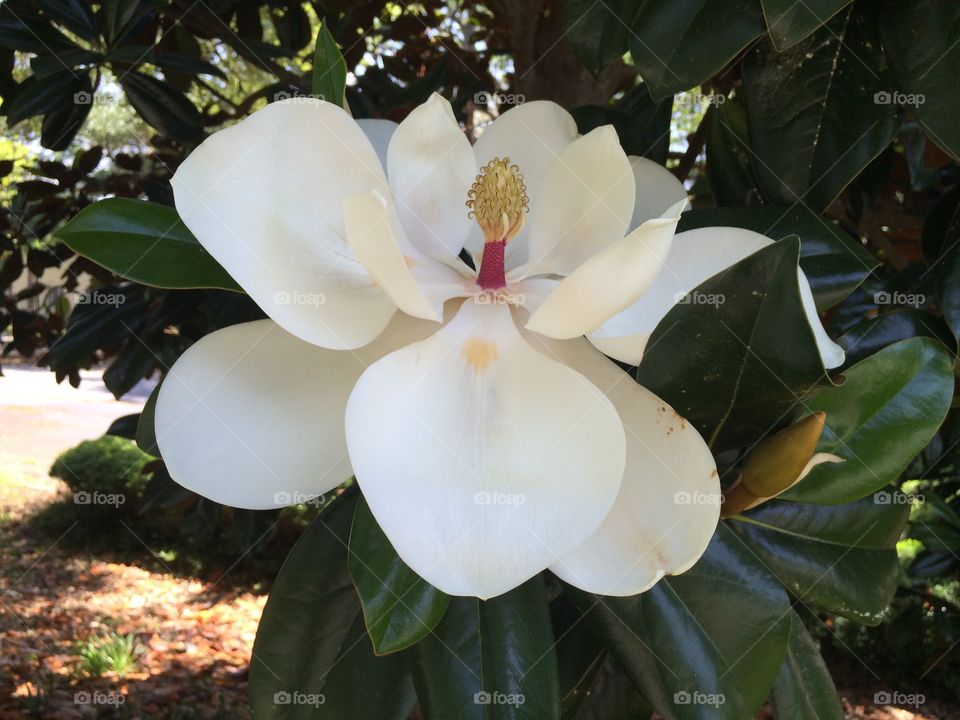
490 438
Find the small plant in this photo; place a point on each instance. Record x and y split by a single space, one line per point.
110 652
102 471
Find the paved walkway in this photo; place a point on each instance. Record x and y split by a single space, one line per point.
39 419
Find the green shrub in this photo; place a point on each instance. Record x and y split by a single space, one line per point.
109 465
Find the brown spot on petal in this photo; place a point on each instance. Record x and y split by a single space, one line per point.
479 353
409 261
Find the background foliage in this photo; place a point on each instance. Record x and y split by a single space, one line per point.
831 125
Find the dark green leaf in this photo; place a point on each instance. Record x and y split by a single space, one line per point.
490 659
168 61
75 15
124 426
642 125
920 38
38 96
936 525
35 37
115 15
162 491
596 31
689 644
137 361
144 242
813 120
61 126
679 44
840 558
44 65
834 263
804 689
163 107
737 368
790 21
874 334
329 69
293 28
399 607
941 245
146 431
311 658
729 166
889 408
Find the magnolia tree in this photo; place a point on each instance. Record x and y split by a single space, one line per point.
583 451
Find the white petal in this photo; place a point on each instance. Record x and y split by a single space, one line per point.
532 135
657 190
372 228
583 205
669 501
251 416
483 460
608 282
379 132
695 256
431 167
265 198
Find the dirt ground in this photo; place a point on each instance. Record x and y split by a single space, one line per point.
195 634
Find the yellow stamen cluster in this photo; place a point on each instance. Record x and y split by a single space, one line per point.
498 200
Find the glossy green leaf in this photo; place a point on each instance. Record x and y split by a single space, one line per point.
596 31
679 44
804 689
729 165
59 127
38 96
163 107
400 608
941 246
689 644
886 412
146 430
75 15
873 334
920 39
839 558
329 81
811 113
44 65
834 263
737 368
790 21
642 125
169 61
312 658
144 242
490 659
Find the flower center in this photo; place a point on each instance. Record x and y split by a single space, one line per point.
498 202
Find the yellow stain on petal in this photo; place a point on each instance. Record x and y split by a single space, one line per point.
409 261
479 353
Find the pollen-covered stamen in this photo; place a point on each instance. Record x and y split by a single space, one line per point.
498 202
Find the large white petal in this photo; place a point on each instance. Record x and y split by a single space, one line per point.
609 281
483 460
669 501
431 167
379 132
657 190
265 198
695 256
532 135
251 416
583 205
379 242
